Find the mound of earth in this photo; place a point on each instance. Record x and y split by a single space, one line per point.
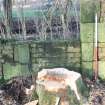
13 93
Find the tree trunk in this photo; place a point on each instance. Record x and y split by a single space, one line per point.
8 16
55 91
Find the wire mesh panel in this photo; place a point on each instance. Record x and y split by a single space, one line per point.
89 8
39 19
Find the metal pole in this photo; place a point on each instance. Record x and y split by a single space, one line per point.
96 31
95 63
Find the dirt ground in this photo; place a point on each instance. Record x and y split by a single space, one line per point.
97 94
13 92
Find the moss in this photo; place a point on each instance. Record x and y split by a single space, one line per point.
34 96
15 70
45 98
101 32
87 32
22 53
87 69
87 52
102 70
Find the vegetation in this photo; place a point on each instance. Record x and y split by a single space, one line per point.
88 10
